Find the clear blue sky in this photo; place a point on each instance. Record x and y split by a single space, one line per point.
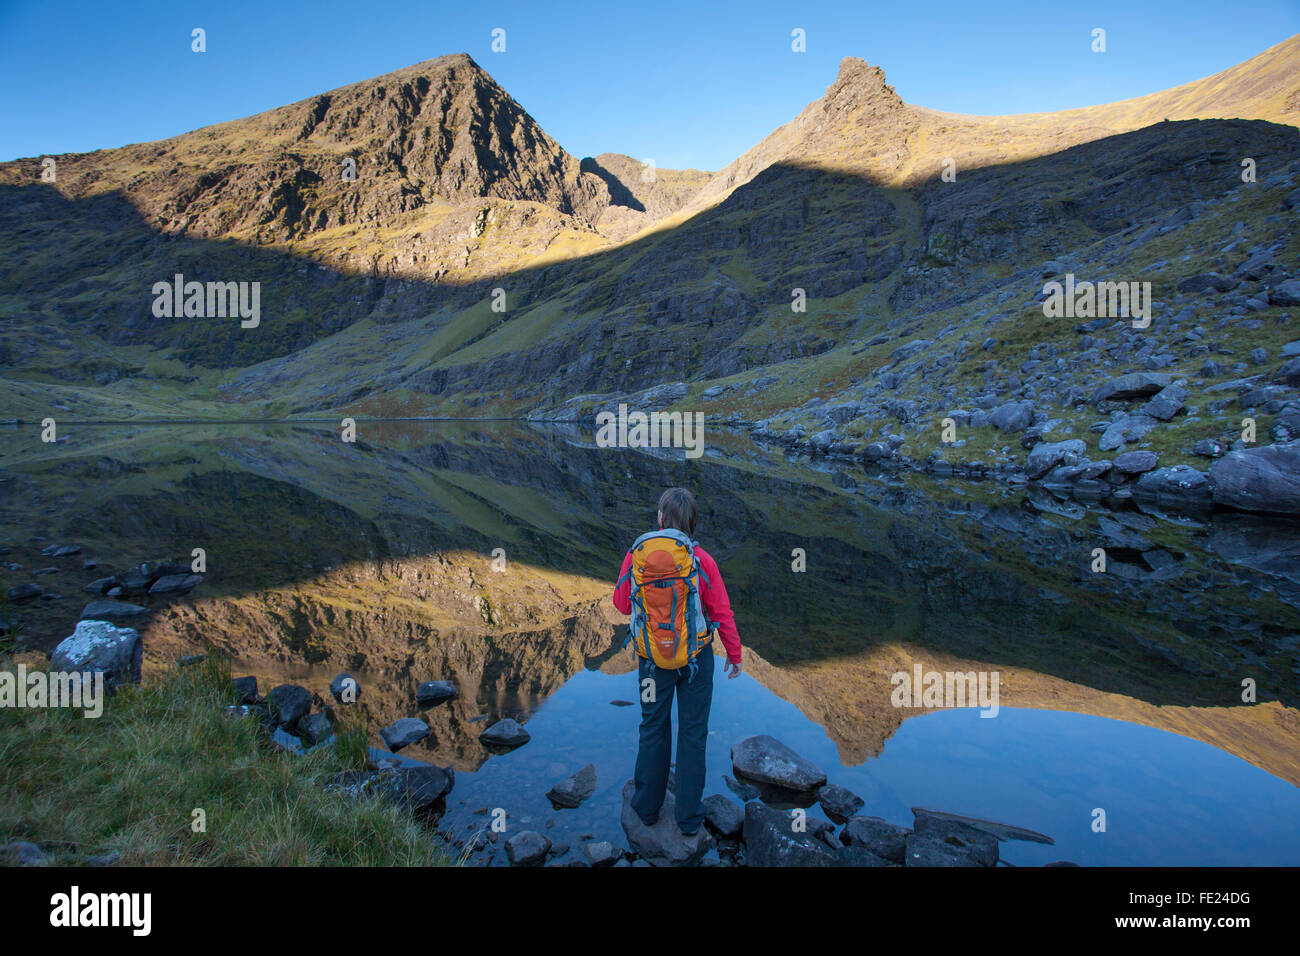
682 83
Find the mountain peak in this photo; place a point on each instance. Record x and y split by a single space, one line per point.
859 82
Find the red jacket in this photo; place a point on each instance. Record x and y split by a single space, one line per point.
717 607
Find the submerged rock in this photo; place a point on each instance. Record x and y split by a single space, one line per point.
527 848
571 793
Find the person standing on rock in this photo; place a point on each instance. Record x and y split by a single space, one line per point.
673 590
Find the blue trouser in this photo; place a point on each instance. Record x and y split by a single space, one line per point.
694 696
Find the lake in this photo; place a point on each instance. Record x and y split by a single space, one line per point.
1127 691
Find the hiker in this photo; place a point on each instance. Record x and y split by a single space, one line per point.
673 589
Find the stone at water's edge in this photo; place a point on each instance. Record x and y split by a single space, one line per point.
931 821
99 646
289 703
505 733
603 853
886 840
662 844
725 816
838 802
245 689
314 729
403 732
572 792
771 839
932 850
1265 479
963 839
767 760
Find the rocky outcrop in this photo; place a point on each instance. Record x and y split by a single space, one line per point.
1265 479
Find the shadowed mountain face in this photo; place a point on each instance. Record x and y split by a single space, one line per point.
472 266
378 558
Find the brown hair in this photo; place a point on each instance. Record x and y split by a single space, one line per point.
677 508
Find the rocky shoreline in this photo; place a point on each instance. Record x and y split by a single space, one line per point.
776 786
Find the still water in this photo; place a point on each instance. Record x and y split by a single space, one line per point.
1120 692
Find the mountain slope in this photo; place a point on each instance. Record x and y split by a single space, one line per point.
380 295
862 126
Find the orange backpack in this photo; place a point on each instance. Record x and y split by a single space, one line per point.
668 621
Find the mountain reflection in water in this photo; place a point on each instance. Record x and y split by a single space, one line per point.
1120 690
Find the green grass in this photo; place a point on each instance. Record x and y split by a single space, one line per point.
130 782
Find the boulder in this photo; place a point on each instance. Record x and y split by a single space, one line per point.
1265 479
404 732
1167 403
602 853
662 844
767 760
975 843
314 729
289 704
859 856
838 802
1135 462
572 792
1285 293
1012 417
431 693
1178 487
1208 281
245 689
112 611
724 816
101 647
1129 428
505 733
175 583
929 850
1047 455
22 593
1132 385
886 840
527 848
772 839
